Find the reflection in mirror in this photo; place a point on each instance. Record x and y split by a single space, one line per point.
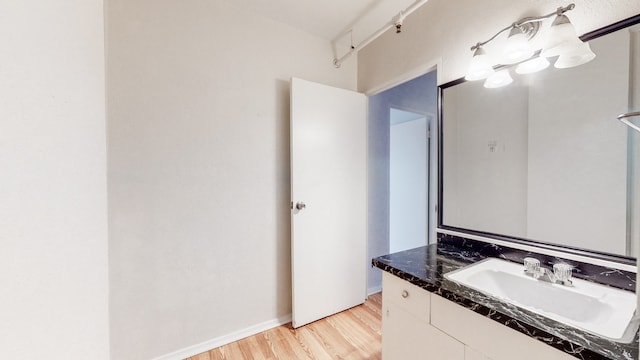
544 158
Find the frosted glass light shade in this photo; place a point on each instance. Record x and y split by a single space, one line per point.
533 65
480 66
579 54
560 38
517 47
498 79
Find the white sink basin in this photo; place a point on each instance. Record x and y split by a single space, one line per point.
595 308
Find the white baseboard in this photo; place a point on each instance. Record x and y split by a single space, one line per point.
225 339
374 290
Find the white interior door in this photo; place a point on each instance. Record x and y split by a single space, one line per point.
328 176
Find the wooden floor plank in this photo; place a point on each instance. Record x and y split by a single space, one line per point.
356 335
353 334
203 356
257 348
316 347
367 318
232 352
214 354
336 344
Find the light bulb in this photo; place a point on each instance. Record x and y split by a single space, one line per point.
533 65
498 79
517 47
480 66
579 54
561 37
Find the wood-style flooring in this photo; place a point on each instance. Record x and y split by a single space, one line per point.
353 334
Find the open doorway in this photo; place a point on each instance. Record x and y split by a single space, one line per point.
408 179
419 97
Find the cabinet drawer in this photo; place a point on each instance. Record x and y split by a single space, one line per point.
411 298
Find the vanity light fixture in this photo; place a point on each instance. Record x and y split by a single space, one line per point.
533 65
562 41
480 66
498 79
623 118
578 54
517 47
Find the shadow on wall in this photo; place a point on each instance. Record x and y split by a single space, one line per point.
283 196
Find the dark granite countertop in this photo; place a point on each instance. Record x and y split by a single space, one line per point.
426 266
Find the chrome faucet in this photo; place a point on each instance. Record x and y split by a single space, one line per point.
561 273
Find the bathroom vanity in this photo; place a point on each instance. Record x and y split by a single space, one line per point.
425 313
536 167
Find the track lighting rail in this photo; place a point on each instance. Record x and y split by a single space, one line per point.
396 23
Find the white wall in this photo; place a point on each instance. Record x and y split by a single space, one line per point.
198 102
53 212
441 30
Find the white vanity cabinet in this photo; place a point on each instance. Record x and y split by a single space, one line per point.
419 325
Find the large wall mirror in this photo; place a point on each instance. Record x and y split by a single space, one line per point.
544 160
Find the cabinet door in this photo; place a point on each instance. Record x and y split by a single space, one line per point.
409 297
491 338
405 337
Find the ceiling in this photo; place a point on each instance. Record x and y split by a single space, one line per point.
330 19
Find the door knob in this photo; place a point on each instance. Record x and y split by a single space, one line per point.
300 205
